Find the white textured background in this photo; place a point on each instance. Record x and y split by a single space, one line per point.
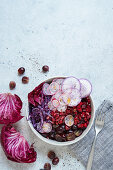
73 37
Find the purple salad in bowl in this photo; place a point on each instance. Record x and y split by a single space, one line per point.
61 110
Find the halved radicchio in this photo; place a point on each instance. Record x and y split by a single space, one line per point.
10 108
16 147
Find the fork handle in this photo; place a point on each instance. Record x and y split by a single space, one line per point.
90 159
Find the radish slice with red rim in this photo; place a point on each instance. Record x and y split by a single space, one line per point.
70 83
47 127
50 105
73 98
41 131
45 89
54 87
69 120
59 81
61 99
86 88
57 95
62 108
55 103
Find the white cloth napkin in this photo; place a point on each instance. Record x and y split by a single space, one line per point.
103 156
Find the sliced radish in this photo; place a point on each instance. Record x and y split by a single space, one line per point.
69 120
86 88
45 89
57 95
70 83
73 98
50 105
54 87
61 99
62 108
41 131
47 127
55 103
59 81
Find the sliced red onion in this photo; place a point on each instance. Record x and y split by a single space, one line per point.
70 83
73 98
86 88
54 88
69 120
47 127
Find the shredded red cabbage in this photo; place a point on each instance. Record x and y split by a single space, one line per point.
38 107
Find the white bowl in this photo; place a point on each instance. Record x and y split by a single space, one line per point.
53 142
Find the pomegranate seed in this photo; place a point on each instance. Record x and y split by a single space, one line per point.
83 115
85 124
68 111
74 110
57 123
47 166
53 119
55 161
25 80
85 119
67 127
84 106
80 125
80 118
51 154
60 122
88 117
62 114
87 113
21 70
47 117
57 116
45 68
12 85
79 109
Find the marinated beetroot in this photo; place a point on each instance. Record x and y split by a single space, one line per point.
10 108
16 147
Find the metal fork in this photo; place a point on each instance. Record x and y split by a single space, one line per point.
99 123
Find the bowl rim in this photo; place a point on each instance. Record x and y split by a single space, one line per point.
54 142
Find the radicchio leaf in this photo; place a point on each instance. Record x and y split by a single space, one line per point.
10 108
35 96
16 147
